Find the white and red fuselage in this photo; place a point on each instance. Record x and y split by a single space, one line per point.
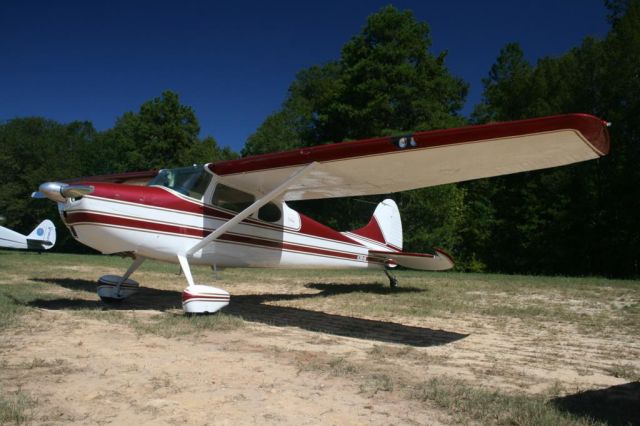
158 222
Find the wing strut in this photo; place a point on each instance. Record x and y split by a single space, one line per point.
250 210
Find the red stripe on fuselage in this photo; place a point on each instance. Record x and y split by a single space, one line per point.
75 218
186 296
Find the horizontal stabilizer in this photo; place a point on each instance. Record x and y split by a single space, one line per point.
438 261
43 237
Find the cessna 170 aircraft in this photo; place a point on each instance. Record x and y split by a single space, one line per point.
234 213
43 237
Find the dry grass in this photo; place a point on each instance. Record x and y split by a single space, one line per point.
625 371
464 401
492 407
15 408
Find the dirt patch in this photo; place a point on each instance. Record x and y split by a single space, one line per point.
83 370
90 371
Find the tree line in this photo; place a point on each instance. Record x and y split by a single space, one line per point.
577 220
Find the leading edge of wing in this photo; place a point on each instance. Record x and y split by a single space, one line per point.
593 130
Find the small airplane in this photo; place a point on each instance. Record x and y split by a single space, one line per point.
235 212
43 237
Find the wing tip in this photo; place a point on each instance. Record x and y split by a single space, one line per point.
440 251
594 129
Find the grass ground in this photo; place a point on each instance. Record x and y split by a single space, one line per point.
527 328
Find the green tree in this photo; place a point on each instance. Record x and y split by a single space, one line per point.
205 151
507 88
392 83
34 150
579 219
277 133
385 82
157 136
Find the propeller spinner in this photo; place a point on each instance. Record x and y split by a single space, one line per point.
60 192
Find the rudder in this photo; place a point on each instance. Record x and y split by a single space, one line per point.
385 226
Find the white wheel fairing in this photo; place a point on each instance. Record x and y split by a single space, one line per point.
204 299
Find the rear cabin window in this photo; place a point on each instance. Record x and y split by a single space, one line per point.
270 213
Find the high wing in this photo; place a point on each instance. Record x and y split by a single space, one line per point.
423 159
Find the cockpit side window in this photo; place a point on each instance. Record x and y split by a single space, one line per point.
200 186
236 200
190 181
230 198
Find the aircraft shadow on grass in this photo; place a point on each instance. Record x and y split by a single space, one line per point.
615 405
256 308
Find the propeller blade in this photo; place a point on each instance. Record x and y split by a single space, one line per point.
75 191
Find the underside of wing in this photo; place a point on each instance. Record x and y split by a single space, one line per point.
423 159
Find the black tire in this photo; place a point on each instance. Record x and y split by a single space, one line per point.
111 300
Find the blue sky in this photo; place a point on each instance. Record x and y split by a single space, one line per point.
233 61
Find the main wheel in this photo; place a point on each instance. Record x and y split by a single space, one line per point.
108 284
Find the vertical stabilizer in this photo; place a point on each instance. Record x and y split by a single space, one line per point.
43 236
384 228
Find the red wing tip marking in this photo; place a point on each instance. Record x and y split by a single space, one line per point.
444 253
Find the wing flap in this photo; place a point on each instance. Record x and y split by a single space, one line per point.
384 165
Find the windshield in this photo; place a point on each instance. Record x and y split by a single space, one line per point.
191 181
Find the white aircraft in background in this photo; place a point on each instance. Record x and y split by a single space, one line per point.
234 213
43 237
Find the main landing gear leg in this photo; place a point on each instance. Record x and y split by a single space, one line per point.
200 299
393 281
114 288
205 299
